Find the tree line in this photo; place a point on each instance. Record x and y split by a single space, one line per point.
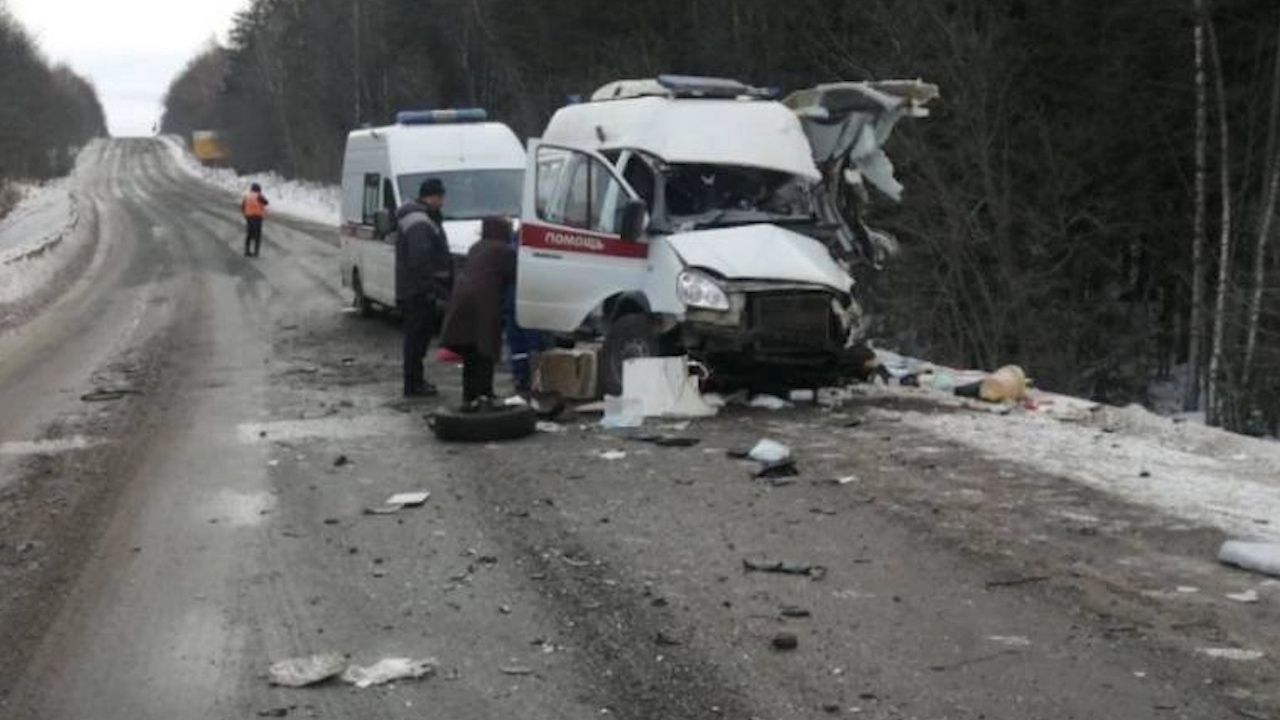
1093 197
47 111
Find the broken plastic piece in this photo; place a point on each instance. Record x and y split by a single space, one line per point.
304 671
769 402
1256 556
387 670
817 572
769 451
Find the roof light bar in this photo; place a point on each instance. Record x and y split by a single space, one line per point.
441 117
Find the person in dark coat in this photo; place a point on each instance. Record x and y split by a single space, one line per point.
424 271
473 326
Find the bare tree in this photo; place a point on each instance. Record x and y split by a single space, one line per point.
1265 223
1198 240
1216 365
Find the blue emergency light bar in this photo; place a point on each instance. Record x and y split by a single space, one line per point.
692 86
441 117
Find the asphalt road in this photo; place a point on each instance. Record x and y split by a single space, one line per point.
161 545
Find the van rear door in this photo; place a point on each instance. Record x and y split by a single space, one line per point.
572 255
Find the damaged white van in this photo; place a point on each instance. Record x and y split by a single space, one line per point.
481 164
703 216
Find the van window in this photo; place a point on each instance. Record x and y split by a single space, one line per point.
388 196
372 184
577 190
472 194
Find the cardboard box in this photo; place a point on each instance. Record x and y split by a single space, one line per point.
571 373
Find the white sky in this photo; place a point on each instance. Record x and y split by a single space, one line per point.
130 49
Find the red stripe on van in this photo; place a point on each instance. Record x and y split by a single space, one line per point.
560 239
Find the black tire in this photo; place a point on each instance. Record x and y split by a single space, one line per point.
362 304
630 336
505 423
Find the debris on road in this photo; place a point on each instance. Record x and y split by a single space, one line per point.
387 670
769 451
341 460
793 611
1232 654
1256 556
622 412
551 428
274 712
667 640
785 641
1248 596
664 387
612 455
817 572
108 394
661 440
775 470
1010 640
1016 581
769 402
304 671
515 670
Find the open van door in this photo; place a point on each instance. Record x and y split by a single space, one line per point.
581 238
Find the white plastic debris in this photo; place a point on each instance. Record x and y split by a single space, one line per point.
546 426
796 396
387 670
665 387
1232 653
769 451
622 412
612 455
409 499
847 479
1010 640
769 402
1248 596
1256 556
304 671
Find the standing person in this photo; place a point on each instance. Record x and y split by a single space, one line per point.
473 326
423 274
254 208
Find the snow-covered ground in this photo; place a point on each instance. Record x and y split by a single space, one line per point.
1196 474
36 241
310 201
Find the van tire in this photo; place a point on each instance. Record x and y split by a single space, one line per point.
630 336
501 423
362 304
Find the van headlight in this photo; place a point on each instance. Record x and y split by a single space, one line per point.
698 290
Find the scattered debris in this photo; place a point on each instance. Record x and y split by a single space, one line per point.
1016 581
108 394
551 428
660 440
769 451
515 670
780 469
1248 596
792 611
274 712
1010 640
817 572
387 670
1259 557
664 639
1232 654
769 402
341 460
304 671
612 455
785 641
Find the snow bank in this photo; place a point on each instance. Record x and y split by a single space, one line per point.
1199 475
36 241
310 201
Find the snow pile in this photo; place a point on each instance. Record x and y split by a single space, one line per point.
1196 474
36 241
316 202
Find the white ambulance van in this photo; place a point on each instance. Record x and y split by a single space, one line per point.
703 216
481 164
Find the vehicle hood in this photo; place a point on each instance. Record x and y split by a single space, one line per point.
760 252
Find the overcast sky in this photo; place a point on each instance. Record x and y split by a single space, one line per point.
131 49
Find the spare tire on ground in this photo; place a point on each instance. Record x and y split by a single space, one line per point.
499 423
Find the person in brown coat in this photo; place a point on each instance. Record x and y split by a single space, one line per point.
473 325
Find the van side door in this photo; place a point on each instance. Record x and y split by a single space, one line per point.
572 254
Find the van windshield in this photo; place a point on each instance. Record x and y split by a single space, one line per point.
700 196
472 194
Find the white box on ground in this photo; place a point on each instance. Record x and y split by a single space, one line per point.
664 388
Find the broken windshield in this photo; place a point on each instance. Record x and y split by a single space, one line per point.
699 196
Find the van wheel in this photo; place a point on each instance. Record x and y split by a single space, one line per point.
362 304
628 337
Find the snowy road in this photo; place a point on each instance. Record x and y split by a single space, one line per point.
163 542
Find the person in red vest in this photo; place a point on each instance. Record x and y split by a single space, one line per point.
254 207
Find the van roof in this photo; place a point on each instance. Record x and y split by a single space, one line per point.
445 147
745 132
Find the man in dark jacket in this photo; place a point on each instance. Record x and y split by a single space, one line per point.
423 273
473 326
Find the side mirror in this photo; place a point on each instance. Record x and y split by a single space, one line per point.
383 223
635 220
